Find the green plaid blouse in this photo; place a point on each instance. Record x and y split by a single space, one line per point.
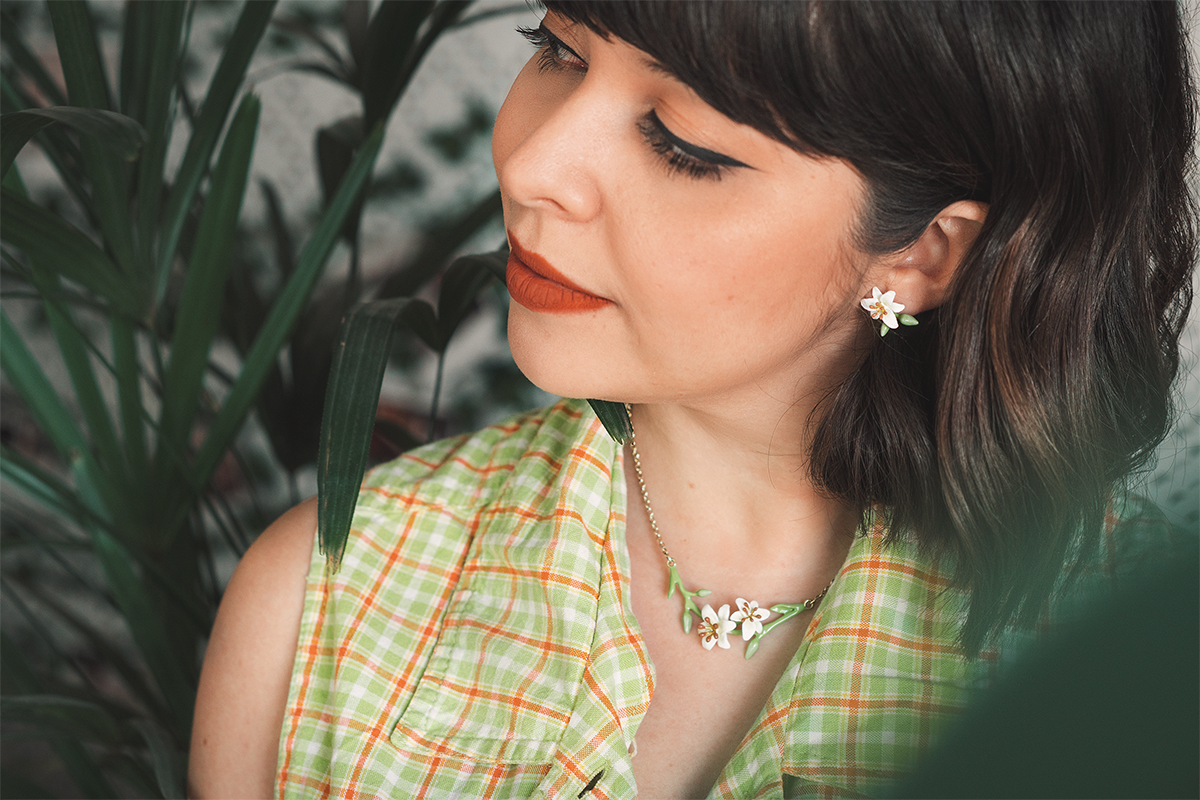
477 641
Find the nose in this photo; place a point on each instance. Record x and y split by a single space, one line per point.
546 147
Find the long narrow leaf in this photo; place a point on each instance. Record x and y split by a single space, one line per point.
285 311
79 54
53 244
78 762
23 786
117 132
135 59
56 715
391 34
351 400
615 419
101 642
439 246
169 767
61 152
165 29
213 113
443 16
87 86
461 284
146 624
72 344
200 303
27 377
127 373
27 62
44 487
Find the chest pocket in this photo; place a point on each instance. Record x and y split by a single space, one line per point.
503 677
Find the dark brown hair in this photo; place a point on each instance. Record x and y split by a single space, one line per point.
996 431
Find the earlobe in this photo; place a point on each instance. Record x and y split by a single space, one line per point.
922 273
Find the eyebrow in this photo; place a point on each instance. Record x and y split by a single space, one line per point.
654 65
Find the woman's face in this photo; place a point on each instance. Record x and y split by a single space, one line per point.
665 253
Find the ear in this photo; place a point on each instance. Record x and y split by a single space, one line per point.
921 273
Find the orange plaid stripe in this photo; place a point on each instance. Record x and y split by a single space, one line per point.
477 643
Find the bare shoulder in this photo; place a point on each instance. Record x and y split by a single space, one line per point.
248 665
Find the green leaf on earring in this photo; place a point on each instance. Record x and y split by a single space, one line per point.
908 319
883 329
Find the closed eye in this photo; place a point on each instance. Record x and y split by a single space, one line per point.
555 55
683 156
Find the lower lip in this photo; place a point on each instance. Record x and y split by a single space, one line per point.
537 292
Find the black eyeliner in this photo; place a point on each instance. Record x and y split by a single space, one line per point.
695 151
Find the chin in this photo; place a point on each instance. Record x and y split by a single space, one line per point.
549 363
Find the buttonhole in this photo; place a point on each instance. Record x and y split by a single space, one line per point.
590 784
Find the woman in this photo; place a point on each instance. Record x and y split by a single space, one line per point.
715 212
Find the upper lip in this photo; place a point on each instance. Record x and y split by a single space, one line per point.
542 267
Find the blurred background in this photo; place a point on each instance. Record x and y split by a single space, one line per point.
201 387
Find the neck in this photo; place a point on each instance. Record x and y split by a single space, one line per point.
731 491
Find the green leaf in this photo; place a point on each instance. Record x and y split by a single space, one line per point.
55 715
285 311
199 311
145 622
79 54
14 785
221 90
26 376
117 132
73 345
78 762
136 40
461 284
908 319
615 419
351 400
165 28
55 245
390 36
285 249
356 19
44 487
170 768
437 248
336 145
87 86
127 372
27 62
112 654
420 318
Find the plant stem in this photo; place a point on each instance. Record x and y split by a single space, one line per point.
437 391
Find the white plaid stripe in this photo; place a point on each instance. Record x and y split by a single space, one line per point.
477 640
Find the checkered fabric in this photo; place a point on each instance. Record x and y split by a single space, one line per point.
478 641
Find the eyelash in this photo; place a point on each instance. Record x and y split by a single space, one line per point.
555 56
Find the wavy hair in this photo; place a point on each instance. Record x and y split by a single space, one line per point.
995 432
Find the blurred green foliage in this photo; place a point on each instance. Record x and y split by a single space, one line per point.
127 479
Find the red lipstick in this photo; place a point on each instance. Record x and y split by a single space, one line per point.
535 284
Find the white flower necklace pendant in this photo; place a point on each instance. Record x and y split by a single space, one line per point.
715 626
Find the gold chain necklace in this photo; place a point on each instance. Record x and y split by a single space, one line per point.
715 626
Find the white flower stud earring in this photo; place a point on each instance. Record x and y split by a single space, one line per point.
883 306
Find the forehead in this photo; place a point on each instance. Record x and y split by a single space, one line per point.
746 59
